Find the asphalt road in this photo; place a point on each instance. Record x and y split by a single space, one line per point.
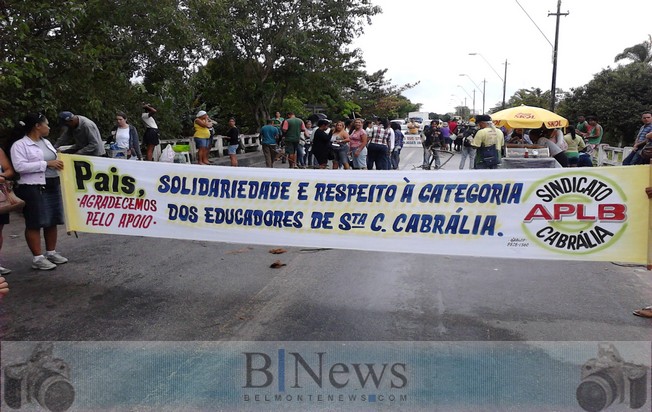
132 288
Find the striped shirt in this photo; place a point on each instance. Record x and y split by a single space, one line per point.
642 132
380 135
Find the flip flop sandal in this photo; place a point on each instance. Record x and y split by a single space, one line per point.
645 312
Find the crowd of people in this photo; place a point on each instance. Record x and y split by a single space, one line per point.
573 148
352 144
346 144
29 165
367 144
82 136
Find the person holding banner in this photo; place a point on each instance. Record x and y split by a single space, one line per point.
645 312
82 133
35 159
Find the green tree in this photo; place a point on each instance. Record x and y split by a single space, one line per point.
617 97
529 97
239 58
82 55
377 96
272 49
639 53
464 111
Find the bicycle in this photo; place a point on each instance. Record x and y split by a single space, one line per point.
434 153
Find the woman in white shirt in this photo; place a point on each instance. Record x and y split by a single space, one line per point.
35 159
126 136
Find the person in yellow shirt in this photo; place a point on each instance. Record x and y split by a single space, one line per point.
202 136
575 146
413 128
489 142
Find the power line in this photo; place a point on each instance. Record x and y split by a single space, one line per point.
535 24
553 88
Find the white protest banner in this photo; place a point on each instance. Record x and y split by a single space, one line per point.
577 214
412 140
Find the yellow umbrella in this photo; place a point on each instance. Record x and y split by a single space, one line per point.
528 117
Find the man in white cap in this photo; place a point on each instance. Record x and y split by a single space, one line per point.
82 133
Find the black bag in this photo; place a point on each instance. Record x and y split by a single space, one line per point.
489 155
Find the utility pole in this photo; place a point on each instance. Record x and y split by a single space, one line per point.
505 84
484 85
502 79
553 88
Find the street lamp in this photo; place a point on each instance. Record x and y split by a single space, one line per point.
468 94
462 102
502 79
484 84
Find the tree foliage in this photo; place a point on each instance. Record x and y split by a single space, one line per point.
463 111
377 96
617 97
529 97
639 53
273 49
81 55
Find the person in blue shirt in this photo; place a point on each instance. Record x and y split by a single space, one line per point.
398 145
269 135
642 139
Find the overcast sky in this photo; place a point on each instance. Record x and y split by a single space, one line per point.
430 41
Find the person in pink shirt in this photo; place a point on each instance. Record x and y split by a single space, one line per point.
358 145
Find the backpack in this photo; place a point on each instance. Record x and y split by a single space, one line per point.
489 155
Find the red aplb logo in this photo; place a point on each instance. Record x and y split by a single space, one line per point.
579 212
